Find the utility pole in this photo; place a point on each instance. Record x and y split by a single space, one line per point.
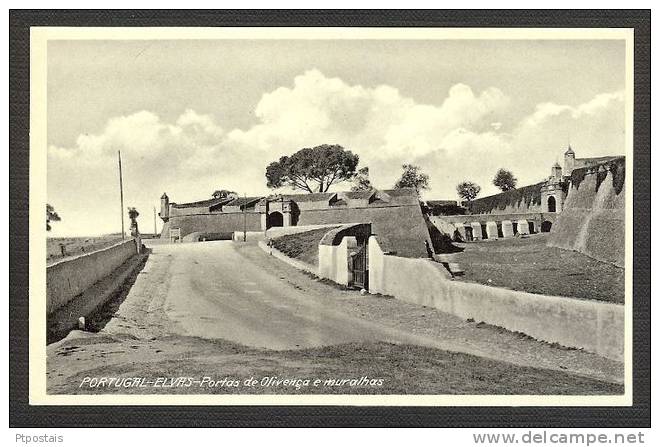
244 217
155 231
121 196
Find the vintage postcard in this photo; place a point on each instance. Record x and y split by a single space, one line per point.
331 216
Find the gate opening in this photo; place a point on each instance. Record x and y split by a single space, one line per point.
275 219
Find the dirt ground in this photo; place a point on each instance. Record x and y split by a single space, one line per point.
527 264
387 369
476 358
75 246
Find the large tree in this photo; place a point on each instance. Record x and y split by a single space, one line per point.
51 216
505 180
412 177
361 180
313 169
468 190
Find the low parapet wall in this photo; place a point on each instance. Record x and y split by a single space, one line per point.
71 277
291 261
594 326
277 232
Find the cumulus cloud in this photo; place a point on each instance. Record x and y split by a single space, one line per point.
378 123
464 136
547 110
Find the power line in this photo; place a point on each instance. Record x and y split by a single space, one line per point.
121 195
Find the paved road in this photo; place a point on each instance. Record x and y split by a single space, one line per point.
210 290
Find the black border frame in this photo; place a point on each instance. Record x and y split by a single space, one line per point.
24 415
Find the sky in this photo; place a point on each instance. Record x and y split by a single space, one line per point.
194 116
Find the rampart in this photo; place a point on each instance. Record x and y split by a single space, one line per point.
402 226
593 219
526 199
213 223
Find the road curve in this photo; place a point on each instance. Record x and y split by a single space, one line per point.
209 290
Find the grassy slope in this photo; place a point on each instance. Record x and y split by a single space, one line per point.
529 265
302 246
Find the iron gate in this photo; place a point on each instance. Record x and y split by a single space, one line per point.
360 268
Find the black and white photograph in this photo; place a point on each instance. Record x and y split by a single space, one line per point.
386 214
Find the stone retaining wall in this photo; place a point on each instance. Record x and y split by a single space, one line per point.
592 325
71 277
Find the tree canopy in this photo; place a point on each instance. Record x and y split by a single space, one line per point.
133 213
223 194
505 180
468 190
51 216
313 169
361 180
412 177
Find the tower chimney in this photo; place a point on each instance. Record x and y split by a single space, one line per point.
164 207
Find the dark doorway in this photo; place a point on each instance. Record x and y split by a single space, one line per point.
499 230
545 226
275 219
295 214
360 267
552 204
515 227
532 230
484 231
468 234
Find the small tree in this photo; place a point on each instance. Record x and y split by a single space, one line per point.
468 190
505 180
223 194
412 177
361 180
313 169
133 215
51 216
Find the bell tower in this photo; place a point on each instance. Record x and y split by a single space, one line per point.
556 172
569 161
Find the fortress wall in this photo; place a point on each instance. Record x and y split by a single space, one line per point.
403 227
593 219
174 211
213 223
517 201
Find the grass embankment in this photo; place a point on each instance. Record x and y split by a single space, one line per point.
302 246
74 246
529 265
388 368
